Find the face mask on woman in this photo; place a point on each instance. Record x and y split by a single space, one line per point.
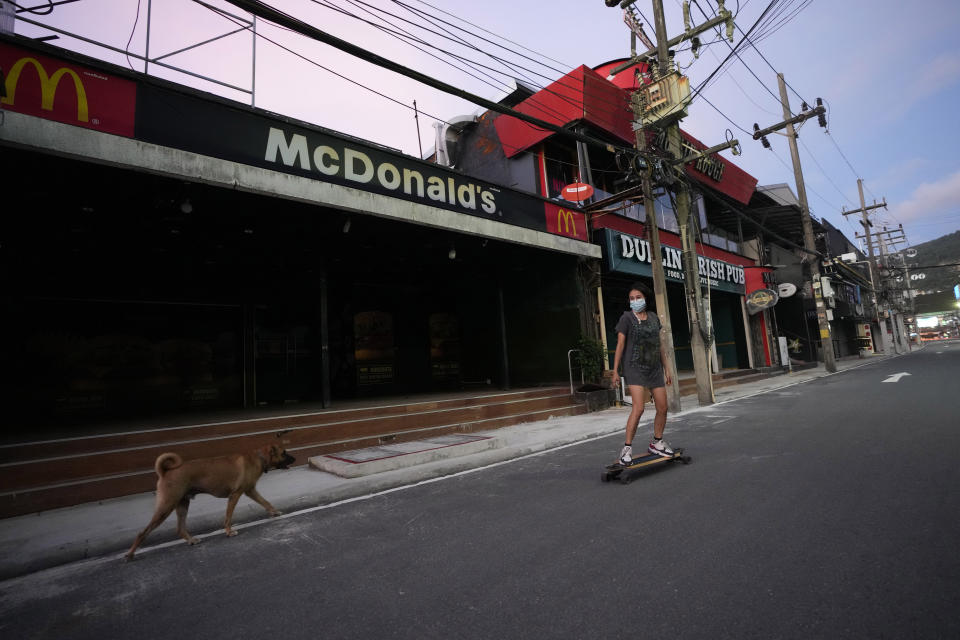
638 305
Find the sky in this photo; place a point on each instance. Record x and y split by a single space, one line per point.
888 71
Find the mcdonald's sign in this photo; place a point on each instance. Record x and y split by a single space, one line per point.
53 89
565 221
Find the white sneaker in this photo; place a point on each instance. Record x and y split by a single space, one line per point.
661 448
626 454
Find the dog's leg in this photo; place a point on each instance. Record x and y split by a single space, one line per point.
158 517
253 494
182 508
231 505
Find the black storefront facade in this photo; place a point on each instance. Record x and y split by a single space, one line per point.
180 252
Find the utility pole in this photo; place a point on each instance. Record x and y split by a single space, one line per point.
691 271
883 260
864 210
666 115
895 312
653 228
909 295
659 279
808 242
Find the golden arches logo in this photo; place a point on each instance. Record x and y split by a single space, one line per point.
565 220
48 86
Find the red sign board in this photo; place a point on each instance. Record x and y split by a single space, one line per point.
49 88
565 222
576 192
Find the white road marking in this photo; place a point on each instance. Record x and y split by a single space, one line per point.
896 377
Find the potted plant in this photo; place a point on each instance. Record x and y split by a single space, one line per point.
592 358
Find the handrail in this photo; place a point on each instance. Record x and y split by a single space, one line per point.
570 369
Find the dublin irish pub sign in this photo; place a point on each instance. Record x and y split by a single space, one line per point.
625 253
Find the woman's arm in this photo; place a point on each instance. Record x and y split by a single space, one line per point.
618 355
663 361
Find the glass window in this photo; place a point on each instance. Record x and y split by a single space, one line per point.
561 167
666 216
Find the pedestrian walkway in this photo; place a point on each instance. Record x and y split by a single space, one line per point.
106 529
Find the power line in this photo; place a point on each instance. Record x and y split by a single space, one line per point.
410 39
437 33
725 116
536 103
544 109
733 50
783 22
130 39
704 13
753 44
493 34
510 66
273 15
824 173
839 150
431 18
374 91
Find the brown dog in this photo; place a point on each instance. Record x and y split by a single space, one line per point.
224 477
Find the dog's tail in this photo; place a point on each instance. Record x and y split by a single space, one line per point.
165 462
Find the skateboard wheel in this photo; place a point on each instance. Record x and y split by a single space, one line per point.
605 477
686 459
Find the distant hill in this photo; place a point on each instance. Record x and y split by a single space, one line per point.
937 285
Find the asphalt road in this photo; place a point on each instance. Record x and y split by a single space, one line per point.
828 509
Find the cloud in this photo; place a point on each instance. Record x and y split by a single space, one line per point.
931 200
903 173
942 72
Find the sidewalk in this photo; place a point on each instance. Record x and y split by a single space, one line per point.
39 541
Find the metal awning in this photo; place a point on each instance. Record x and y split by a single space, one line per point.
764 216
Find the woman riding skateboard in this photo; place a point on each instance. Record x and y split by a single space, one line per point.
640 351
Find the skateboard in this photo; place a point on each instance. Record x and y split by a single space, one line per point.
617 468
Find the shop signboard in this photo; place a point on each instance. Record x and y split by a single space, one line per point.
761 299
53 89
155 112
629 254
228 132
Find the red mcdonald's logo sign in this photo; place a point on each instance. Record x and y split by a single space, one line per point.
565 221
52 89
48 86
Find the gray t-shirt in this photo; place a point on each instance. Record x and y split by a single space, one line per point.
643 339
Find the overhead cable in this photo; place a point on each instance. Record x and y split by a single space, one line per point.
271 14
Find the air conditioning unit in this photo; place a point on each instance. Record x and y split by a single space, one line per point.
827 287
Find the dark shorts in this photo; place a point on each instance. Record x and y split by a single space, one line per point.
649 377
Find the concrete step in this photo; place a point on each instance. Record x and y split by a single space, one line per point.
364 462
32 484
132 438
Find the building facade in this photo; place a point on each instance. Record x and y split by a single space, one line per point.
539 160
179 252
